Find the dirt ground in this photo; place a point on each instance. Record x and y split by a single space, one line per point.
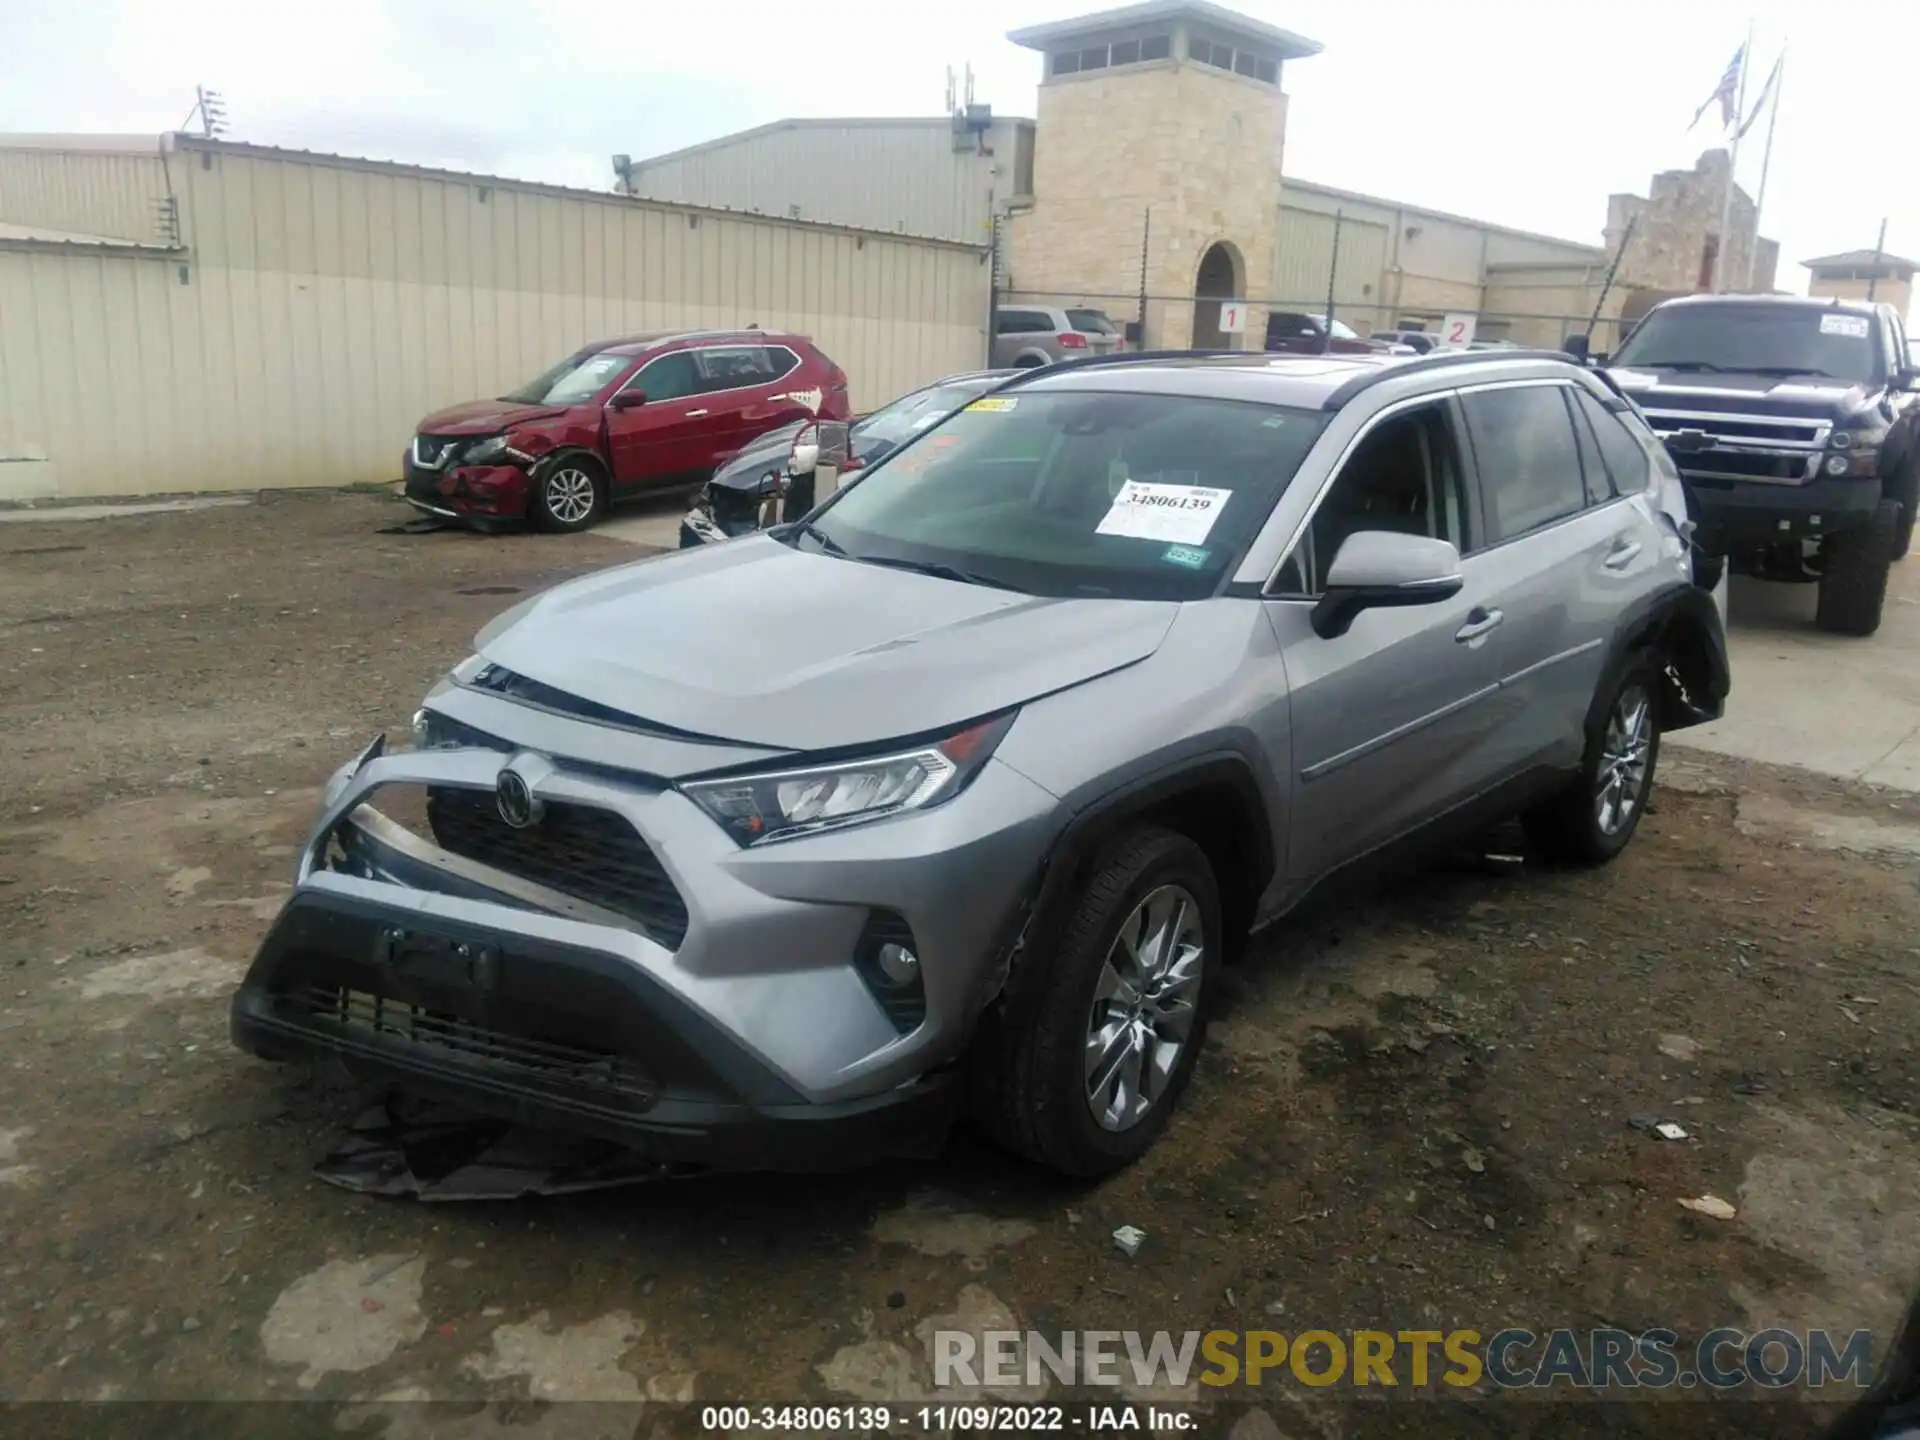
1415 1110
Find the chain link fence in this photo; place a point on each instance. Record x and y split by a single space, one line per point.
1154 321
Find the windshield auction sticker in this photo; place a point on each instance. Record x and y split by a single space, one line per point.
1850 325
995 404
1175 514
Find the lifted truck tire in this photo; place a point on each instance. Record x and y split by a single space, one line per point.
1029 1060
1905 488
1573 827
1853 586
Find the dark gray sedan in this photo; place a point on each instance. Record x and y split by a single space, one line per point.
760 485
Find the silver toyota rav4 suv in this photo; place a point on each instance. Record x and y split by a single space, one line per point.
955 796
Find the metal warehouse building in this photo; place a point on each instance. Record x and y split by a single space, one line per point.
179 314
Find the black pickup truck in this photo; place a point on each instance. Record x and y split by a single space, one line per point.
1793 422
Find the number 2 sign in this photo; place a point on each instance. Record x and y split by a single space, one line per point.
1457 330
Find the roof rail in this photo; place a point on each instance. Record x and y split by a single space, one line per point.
1433 360
1120 357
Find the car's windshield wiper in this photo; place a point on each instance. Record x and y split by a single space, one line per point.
1673 365
1791 370
827 542
941 572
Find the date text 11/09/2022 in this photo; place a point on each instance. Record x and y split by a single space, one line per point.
942 1419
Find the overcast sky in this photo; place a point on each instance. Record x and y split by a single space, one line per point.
1524 112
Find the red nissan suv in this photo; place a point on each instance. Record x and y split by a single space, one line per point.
620 416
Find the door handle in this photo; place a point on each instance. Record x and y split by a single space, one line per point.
1480 622
1622 554
695 414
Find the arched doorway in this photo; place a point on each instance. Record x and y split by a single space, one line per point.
1220 277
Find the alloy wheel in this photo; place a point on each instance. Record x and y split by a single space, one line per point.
570 495
1144 1007
1623 760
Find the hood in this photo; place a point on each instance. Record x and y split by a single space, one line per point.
770 452
748 464
756 643
485 417
1806 396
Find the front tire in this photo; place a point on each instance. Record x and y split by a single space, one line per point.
1592 820
1081 1067
1853 584
569 495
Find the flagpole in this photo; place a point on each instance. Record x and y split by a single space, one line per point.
1722 260
1766 159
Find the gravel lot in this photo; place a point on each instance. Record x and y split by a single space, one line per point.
1414 1113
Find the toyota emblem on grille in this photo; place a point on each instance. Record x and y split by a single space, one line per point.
515 800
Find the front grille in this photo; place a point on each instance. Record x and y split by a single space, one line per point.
1763 429
548 1060
431 452
1748 465
590 854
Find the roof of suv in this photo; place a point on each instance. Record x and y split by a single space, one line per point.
658 339
1804 302
1307 382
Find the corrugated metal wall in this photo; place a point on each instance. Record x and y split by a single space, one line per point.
897 176
1304 256
328 305
86 192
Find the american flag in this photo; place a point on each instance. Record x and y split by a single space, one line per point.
1725 92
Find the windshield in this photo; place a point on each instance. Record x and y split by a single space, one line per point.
1339 329
1762 339
1092 322
910 414
1076 493
574 379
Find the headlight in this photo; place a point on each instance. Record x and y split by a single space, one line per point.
783 803
481 451
1841 440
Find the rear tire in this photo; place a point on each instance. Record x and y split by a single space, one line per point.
1708 569
1591 821
1080 1065
1028 362
569 494
1906 489
1853 584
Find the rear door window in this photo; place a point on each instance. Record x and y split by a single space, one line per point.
733 367
1626 459
1021 322
1528 458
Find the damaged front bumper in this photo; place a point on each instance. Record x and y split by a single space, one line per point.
678 995
486 496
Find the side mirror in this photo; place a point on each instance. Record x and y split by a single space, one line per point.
1576 347
628 400
1907 380
1378 568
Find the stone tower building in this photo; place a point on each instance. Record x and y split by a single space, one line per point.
1173 107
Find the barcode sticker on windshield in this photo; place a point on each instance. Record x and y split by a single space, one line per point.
995 404
1177 514
1851 325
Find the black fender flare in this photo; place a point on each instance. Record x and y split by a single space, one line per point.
1095 823
1681 623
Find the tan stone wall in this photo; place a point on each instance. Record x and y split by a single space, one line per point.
1897 293
1680 211
1201 147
